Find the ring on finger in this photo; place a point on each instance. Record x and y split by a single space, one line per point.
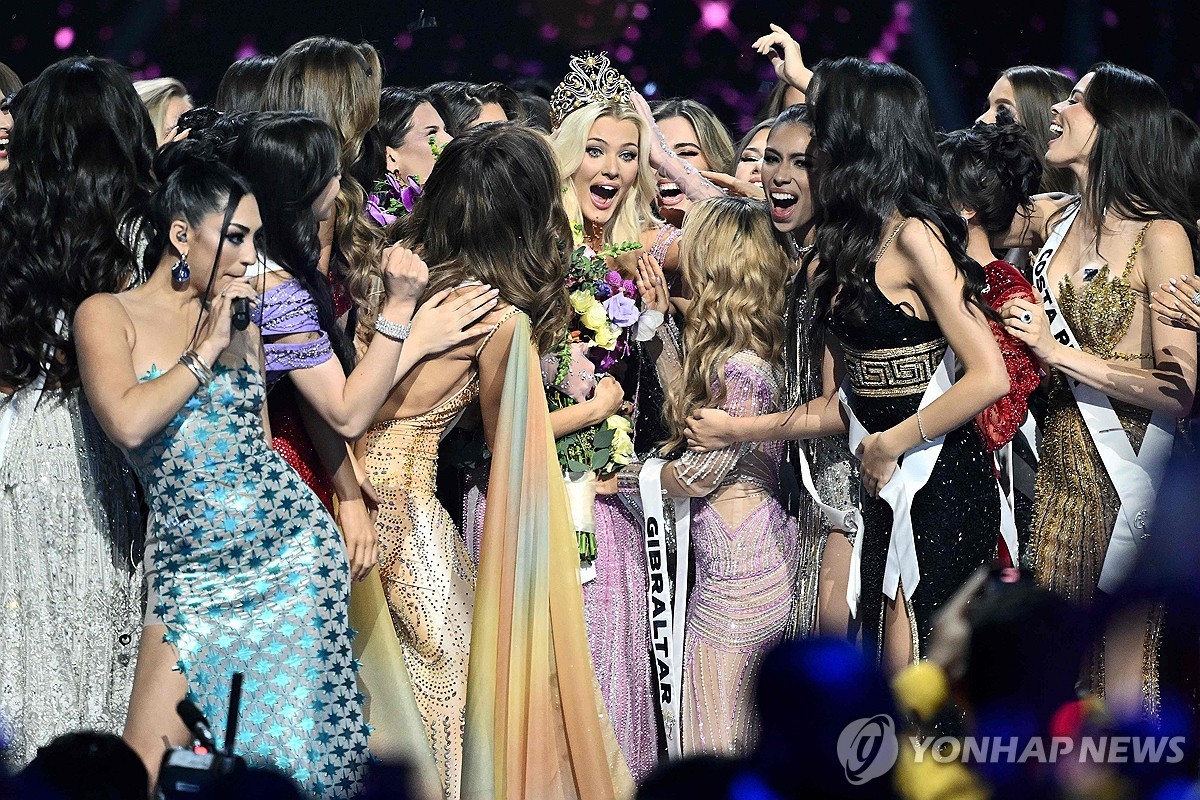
1026 317
1196 299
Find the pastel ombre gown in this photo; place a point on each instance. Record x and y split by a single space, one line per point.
247 572
535 720
746 550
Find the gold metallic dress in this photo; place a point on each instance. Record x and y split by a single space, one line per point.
1076 504
428 576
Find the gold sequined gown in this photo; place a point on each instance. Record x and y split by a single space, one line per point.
1076 504
428 575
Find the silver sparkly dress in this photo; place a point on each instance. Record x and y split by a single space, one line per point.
834 470
70 574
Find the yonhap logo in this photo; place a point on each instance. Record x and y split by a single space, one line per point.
868 748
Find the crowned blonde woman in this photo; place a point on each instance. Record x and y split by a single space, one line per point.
602 148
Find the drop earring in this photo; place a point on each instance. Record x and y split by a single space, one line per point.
180 271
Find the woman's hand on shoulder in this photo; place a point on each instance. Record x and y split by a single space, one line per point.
450 318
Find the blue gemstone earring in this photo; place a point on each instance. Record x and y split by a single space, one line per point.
180 271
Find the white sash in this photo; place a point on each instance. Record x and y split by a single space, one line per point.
666 621
848 520
910 476
1135 476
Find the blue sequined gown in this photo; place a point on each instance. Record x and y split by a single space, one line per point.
246 570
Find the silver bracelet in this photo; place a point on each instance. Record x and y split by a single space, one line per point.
195 365
921 428
391 330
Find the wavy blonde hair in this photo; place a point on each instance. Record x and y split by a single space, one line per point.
738 274
341 83
634 214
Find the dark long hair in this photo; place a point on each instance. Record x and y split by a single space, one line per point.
1187 144
1135 165
288 158
873 133
244 83
992 169
1036 89
492 211
396 107
78 185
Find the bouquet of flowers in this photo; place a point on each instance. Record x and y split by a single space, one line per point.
605 312
391 199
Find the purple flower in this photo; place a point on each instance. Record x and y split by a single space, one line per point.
375 211
613 279
630 288
621 310
409 194
603 290
607 362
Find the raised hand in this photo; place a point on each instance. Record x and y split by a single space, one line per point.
785 55
652 284
405 275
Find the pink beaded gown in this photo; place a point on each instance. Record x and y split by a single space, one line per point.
745 549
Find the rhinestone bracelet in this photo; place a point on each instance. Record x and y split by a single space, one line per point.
391 330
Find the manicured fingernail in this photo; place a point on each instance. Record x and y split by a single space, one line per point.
1173 281
1171 288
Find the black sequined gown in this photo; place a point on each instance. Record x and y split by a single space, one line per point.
890 359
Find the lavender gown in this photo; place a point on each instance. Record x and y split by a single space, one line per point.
745 547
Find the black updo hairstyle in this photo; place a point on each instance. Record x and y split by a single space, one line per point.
194 183
993 169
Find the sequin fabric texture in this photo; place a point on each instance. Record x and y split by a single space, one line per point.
427 572
247 572
1076 504
746 551
286 309
834 470
70 575
618 628
956 515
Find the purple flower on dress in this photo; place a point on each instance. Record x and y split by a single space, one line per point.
613 279
621 310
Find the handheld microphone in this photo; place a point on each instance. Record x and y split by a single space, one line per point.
241 313
196 723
